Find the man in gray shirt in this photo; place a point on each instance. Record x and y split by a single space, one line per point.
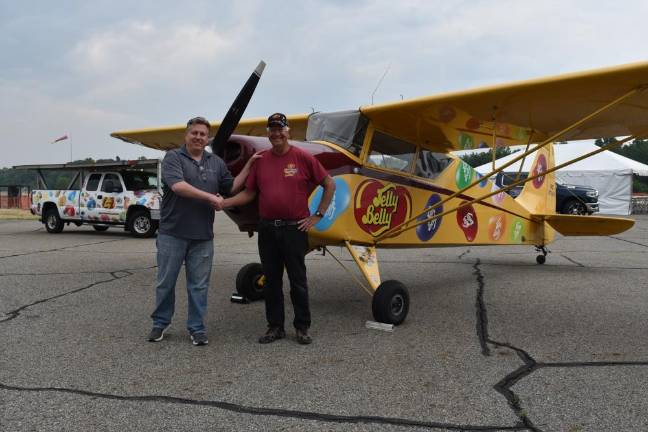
193 180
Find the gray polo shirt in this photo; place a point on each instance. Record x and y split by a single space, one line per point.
189 218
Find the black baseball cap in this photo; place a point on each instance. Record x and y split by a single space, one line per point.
277 119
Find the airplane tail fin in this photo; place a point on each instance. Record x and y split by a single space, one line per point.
539 195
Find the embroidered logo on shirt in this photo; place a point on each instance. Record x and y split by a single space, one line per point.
290 170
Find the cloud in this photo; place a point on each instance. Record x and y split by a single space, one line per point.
137 56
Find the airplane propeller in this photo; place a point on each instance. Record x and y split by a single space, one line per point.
233 116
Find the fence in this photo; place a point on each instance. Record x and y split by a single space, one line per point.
16 196
640 204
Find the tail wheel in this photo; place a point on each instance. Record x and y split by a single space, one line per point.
390 302
53 222
100 227
140 224
250 281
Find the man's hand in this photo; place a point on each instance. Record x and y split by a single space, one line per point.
306 223
216 201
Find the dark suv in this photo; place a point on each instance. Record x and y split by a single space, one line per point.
570 199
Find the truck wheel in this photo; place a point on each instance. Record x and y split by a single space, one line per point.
140 224
390 303
53 222
100 227
250 281
574 207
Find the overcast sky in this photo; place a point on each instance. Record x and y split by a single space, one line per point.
90 68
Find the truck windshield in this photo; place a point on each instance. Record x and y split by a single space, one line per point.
139 180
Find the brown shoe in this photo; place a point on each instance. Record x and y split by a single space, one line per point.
302 337
273 334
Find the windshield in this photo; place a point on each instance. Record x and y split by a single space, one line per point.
139 180
345 128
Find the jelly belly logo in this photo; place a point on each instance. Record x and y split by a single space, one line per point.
427 230
467 221
290 170
539 168
464 175
339 204
380 207
517 231
496 226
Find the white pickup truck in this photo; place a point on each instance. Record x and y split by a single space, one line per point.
124 193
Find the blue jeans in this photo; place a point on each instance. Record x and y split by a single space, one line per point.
197 256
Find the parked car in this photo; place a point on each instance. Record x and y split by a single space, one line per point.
570 199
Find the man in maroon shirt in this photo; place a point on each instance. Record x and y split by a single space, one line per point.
284 178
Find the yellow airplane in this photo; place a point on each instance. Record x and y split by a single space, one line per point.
397 185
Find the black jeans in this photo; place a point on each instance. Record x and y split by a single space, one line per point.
278 247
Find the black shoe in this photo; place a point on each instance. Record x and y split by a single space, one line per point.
302 337
273 334
199 339
157 334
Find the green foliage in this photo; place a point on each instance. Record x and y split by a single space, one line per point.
637 150
477 159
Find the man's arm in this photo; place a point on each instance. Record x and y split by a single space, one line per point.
241 198
239 180
329 190
185 190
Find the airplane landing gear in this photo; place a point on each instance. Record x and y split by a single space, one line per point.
540 259
390 302
250 281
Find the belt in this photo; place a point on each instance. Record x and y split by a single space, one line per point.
278 222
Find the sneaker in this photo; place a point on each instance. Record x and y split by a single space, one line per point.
157 334
302 337
273 334
199 339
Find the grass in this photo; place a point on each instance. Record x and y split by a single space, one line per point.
12 214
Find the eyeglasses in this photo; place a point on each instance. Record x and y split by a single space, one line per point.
203 174
198 120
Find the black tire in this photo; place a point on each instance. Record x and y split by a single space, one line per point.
390 303
574 207
140 224
540 259
250 281
100 227
53 222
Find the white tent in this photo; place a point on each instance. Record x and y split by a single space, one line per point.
608 172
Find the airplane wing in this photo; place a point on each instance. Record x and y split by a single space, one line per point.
516 113
166 138
525 111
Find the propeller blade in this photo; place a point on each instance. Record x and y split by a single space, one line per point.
236 111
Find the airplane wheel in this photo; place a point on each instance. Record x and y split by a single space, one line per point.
390 303
250 281
540 259
100 227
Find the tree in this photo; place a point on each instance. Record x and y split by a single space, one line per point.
477 159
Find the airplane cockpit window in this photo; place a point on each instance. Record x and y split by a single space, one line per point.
345 128
431 164
392 153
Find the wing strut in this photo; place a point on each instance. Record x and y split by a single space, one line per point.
405 225
402 227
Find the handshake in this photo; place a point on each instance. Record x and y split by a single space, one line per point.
217 202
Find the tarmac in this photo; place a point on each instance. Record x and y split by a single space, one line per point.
493 341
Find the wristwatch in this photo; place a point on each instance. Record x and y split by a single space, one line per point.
318 214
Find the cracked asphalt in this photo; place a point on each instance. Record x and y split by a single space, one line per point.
493 341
